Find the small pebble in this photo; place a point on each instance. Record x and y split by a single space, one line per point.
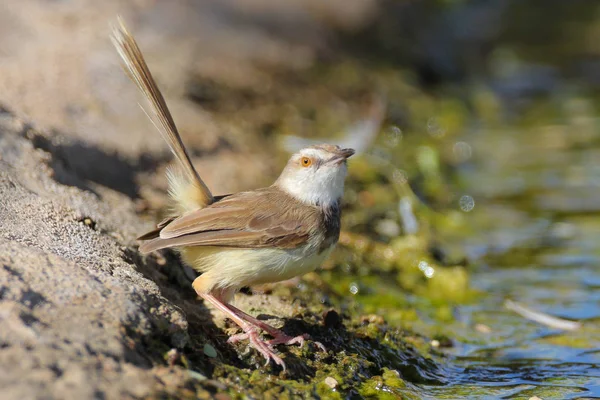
435 343
210 351
372 319
172 357
483 328
331 382
387 227
442 342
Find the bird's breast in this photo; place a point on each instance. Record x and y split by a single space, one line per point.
235 267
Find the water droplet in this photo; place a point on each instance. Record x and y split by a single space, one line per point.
466 203
462 151
427 269
353 288
388 253
434 128
428 272
393 136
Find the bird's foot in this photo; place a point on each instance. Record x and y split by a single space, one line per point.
260 345
279 338
237 338
282 338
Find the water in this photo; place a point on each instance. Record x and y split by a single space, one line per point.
537 227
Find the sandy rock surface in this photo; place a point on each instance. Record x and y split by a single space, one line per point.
80 310
72 309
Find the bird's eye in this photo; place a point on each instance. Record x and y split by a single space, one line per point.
305 161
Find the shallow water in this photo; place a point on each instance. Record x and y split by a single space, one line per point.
536 190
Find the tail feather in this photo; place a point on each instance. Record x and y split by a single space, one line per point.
190 190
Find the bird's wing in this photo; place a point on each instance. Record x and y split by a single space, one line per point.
243 220
156 232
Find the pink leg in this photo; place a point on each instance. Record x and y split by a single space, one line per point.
278 336
250 331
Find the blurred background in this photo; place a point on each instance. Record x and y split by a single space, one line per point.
472 215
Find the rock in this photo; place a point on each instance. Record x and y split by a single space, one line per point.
210 351
74 311
331 382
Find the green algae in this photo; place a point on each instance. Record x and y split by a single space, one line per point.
388 385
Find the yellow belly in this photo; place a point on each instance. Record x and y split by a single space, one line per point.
235 268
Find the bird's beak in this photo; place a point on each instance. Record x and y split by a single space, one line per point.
347 153
341 156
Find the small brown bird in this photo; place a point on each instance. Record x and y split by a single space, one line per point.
248 238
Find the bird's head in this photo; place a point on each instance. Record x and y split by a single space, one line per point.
315 175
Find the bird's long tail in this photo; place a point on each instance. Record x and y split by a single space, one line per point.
186 187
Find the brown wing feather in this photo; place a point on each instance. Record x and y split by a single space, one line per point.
156 232
150 235
239 239
205 219
243 220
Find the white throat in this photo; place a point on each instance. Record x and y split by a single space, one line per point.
322 190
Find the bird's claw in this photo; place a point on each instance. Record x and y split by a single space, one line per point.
266 347
260 345
237 338
288 340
